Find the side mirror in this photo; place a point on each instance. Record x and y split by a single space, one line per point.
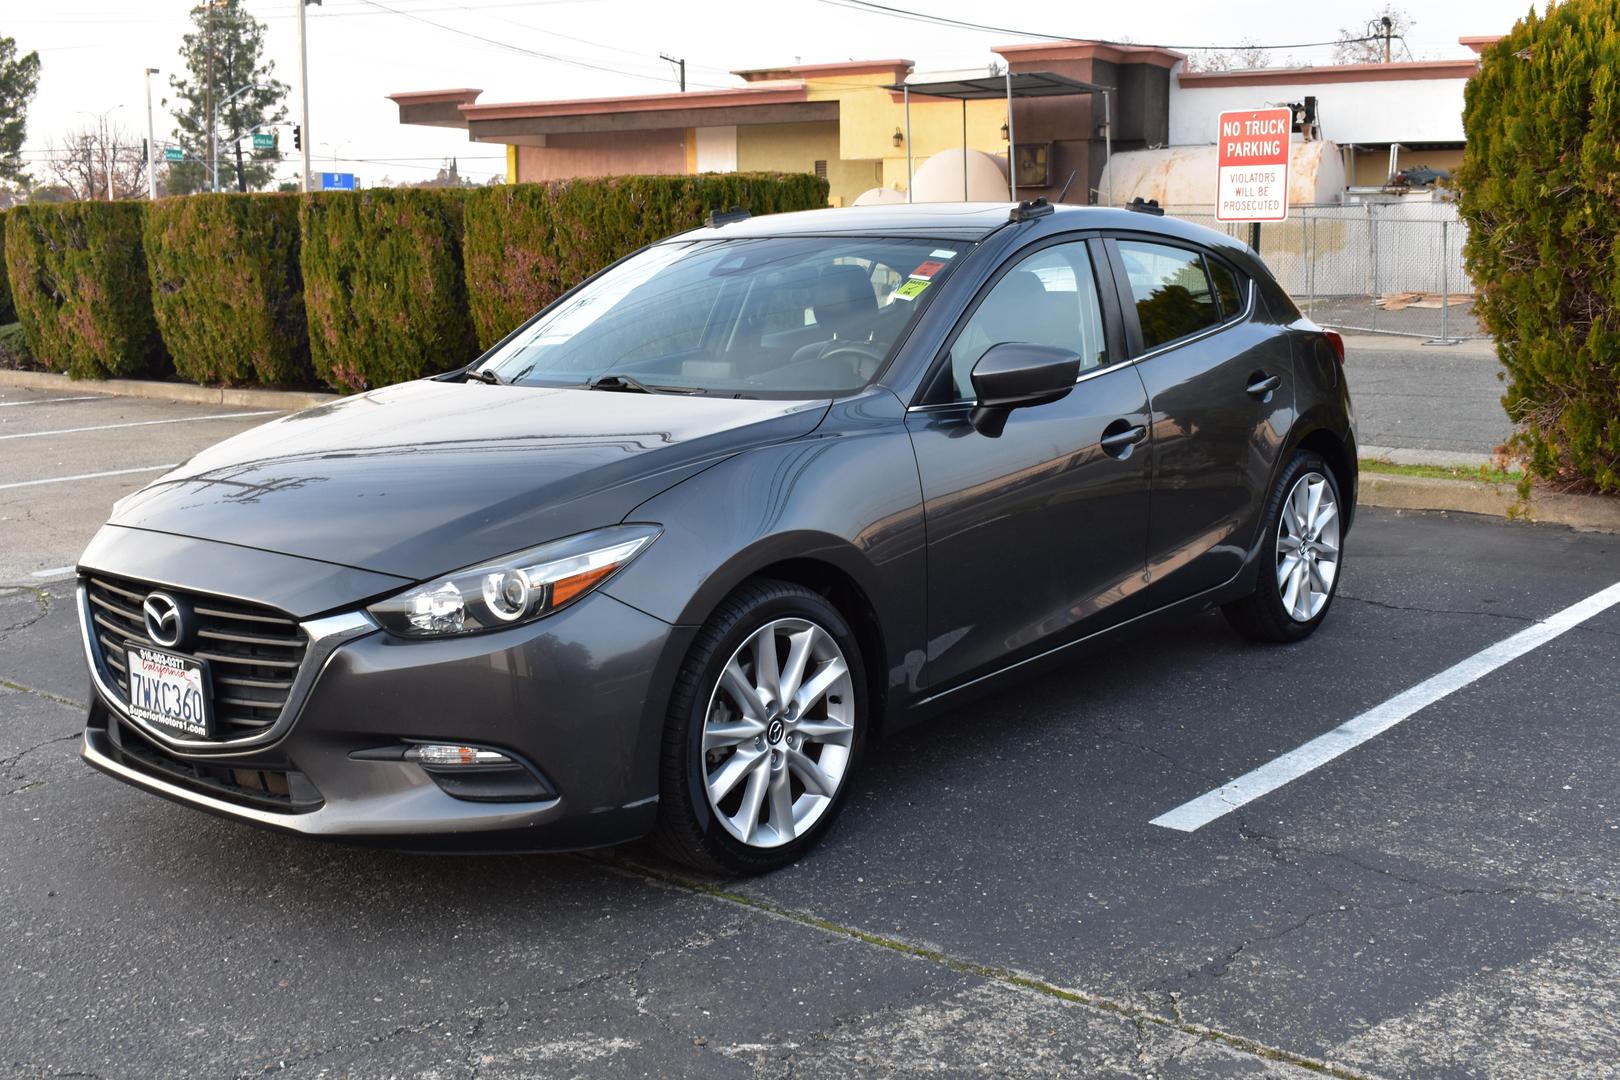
1015 375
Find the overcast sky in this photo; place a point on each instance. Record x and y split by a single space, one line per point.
93 52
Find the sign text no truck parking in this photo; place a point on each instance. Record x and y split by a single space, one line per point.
1252 160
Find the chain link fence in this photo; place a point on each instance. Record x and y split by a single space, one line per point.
1384 268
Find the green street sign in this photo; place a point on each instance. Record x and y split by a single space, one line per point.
263 140
173 153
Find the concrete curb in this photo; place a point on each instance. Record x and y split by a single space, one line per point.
1588 513
167 391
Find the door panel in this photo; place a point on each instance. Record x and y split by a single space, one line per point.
1221 406
1037 536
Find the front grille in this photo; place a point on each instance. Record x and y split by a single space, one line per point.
253 652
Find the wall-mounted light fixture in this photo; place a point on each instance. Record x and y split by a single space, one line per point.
899 137
1004 131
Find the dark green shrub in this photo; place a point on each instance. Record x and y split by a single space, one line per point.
8 313
529 243
1538 190
78 276
226 288
14 354
383 285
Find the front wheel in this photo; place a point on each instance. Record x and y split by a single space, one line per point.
1300 562
764 730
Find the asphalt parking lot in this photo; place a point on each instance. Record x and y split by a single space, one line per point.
1441 900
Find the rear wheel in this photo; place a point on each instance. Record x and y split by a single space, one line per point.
764 731
1299 574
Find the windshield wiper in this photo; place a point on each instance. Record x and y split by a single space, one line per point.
632 385
486 377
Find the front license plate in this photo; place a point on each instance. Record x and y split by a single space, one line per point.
170 692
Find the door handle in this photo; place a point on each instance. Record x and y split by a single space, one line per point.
1120 436
1261 385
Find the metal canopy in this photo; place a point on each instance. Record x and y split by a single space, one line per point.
1008 86
1020 84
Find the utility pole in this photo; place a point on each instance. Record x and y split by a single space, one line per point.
1389 31
681 64
303 93
107 152
151 145
208 95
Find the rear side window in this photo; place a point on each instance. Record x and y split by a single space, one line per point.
1230 287
1172 291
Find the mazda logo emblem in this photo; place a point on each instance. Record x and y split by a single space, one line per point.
164 624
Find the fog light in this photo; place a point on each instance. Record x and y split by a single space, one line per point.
445 755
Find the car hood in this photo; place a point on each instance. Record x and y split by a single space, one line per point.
425 477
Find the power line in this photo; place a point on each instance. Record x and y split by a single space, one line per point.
508 46
963 24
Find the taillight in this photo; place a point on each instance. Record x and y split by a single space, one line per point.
1335 340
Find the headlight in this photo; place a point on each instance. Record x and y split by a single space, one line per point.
518 588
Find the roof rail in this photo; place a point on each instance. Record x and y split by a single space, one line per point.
718 218
1030 209
1150 206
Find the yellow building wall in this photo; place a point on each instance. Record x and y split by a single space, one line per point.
871 114
797 148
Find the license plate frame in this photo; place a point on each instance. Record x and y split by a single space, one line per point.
182 683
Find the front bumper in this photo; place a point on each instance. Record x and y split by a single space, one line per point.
578 698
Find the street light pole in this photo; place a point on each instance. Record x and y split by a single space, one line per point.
151 142
303 94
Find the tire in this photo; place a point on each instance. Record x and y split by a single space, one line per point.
774 755
1274 612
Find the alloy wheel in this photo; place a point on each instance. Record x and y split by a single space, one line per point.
1308 547
778 732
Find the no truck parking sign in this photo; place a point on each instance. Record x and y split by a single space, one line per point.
1253 162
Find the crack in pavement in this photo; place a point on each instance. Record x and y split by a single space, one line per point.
1523 620
1136 1014
1115 735
11 684
1279 848
41 597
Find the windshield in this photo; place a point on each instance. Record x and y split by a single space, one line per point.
787 316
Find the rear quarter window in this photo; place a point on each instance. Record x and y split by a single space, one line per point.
1231 287
1172 291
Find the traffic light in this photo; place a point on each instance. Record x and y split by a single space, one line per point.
298 137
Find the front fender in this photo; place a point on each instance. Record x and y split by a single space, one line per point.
847 496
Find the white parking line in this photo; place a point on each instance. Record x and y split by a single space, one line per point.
1194 815
134 423
52 400
85 476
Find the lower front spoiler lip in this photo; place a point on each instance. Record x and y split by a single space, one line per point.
399 811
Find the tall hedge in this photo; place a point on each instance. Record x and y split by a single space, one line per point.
528 243
8 313
1540 191
78 275
383 285
226 288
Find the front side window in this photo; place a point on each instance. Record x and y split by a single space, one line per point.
776 316
1048 298
1171 289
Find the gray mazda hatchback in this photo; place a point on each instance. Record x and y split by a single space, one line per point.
669 556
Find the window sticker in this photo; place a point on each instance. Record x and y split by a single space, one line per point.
912 289
928 269
941 253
